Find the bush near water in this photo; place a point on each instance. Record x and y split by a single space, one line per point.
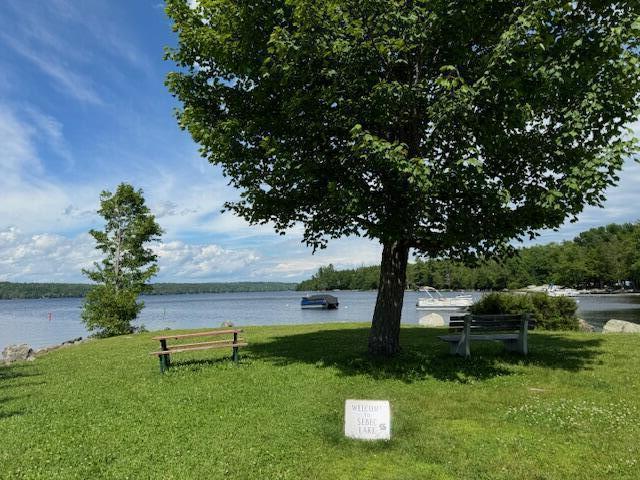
550 313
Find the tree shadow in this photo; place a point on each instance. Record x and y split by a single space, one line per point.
16 370
10 414
423 355
11 377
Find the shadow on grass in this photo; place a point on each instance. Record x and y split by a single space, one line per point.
10 378
196 365
423 355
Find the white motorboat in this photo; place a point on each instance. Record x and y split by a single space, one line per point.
555 291
437 302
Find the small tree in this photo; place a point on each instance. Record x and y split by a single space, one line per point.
112 305
446 128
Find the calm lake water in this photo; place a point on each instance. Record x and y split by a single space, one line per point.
28 321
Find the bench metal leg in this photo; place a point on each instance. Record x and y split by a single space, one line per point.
235 355
464 348
523 346
464 345
460 347
163 347
523 341
164 362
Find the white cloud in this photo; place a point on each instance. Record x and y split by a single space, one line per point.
46 28
67 81
621 206
18 152
184 262
31 199
44 257
18 136
293 260
52 131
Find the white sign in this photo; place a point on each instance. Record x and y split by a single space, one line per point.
367 419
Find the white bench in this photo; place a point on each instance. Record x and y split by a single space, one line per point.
511 330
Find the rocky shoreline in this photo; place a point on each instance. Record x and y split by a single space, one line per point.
24 352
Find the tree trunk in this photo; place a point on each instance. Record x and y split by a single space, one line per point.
384 338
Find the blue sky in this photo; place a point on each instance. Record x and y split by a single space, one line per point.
83 107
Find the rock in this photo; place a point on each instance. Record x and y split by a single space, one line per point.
65 344
431 320
584 326
227 324
620 326
43 350
14 353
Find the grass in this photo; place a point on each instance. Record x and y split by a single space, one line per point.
102 410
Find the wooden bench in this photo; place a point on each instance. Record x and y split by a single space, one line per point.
167 350
511 330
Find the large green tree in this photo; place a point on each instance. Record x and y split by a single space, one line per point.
447 127
128 263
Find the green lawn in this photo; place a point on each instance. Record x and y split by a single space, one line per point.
570 409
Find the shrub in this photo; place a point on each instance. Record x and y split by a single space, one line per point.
109 312
551 313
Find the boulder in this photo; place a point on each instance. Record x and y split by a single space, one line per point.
620 326
584 326
14 353
431 320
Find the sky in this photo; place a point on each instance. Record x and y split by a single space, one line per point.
83 107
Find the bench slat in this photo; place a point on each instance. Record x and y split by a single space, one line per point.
201 344
490 325
498 328
207 347
498 336
505 316
493 324
197 334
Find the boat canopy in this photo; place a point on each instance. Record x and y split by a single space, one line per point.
323 296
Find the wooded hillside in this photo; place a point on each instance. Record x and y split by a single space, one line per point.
604 257
10 290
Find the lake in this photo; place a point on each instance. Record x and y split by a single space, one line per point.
44 322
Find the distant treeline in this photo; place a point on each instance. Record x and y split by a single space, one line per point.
180 288
605 258
10 290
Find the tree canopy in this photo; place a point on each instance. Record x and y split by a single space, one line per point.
444 127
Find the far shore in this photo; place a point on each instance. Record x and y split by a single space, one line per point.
196 291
